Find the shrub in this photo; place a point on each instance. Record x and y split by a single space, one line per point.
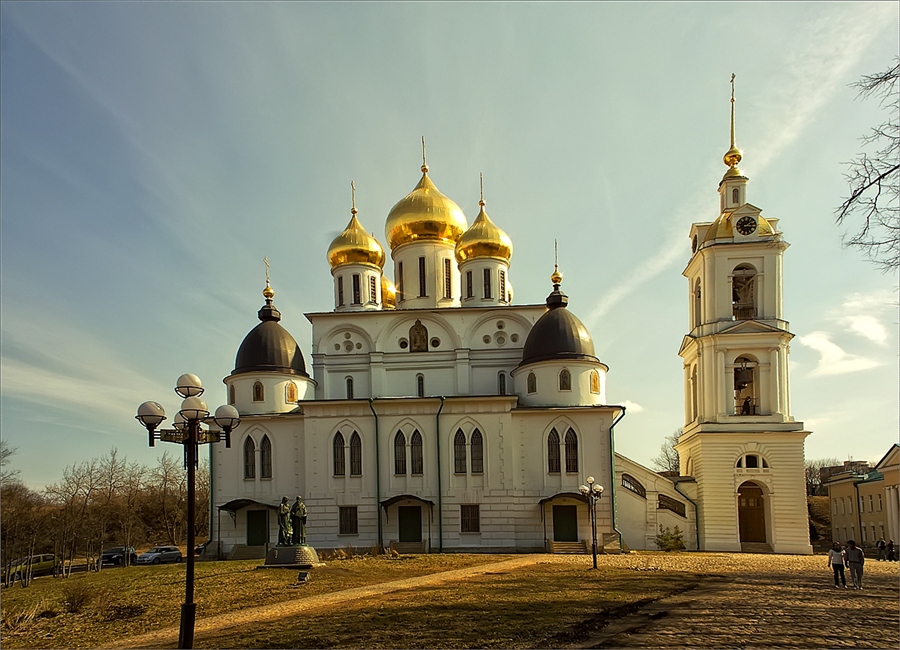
670 540
77 594
17 617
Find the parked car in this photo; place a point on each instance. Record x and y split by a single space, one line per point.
200 548
159 554
41 565
116 556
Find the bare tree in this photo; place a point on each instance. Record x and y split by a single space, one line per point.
7 476
814 476
667 460
874 178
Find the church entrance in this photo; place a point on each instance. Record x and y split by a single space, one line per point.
751 513
565 523
257 527
410 522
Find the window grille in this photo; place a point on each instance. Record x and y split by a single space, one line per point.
420 385
349 524
459 452
469 292
422 291
502 292
373 289
631 483
668 503
355 455
340 291
265 458
477 449
357 291
349 383
447 284
249 458
571 451
415 454
487 284
553 464
501 383
469 519
338 454
400 454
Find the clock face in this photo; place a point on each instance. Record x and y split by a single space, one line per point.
746 225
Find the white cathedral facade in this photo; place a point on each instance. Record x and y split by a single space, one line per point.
439 416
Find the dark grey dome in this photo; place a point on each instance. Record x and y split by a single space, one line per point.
558 334
269 347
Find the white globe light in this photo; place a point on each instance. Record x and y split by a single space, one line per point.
150 414
180 422
227 417
194 408
189 385
598 489
590 479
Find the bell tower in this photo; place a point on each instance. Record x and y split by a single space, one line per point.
740 441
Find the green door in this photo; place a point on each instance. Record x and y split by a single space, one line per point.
410 518
565 523
257 527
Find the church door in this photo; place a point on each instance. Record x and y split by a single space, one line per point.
257 527
565 523
751 513
410 518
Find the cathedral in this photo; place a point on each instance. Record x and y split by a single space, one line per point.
433 414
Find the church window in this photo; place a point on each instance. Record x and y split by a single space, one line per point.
871 503
448 292
400 454
349 523
487 284
502 290
258 392
571 451
401 296
422 291
373 289
743 298
340 289
697 315
249 458
746 400
595 382
349 384
880 503
501 383
416 464
668 503
355 455
631 483
553 464
532 383
565 379
231 399
420 385
752 461
290 392
477 449
357 291
338 447
734 195
469 292
265 458
459 452
469 519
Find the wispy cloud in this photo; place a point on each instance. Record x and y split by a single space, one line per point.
632 407
864 315
833 360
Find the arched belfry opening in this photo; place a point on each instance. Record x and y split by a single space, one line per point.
743 292
751 513
746 387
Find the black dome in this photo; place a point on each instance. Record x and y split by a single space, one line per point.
269 347
558 335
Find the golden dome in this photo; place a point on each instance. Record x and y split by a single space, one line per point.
388 293
355 246
424 214
483 239
722 227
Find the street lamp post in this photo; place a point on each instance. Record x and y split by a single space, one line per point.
187 432
593 492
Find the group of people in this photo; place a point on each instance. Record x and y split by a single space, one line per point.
853 558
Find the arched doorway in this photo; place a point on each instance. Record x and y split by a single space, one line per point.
751 513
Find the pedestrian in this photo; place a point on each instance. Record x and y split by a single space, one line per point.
881 547
836 562
855 558
890 551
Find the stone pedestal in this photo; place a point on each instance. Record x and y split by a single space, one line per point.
301 556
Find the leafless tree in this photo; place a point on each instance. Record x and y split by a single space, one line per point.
813 474
872 208
667 460
7 476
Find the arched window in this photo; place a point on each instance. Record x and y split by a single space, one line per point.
290 392
400 454
265 458
259 394
752 461
338 447
698 320
231 399
553 465
694 391
420 385
459 452
349 383
340 290
355 455
357 290
249 458
571 451
487 284
501 383
477 449
595 382
565 379
734 195
631 483
532 383
743 292
746 392
415 454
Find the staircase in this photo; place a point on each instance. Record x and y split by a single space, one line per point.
755 547
244 552
569 548
409 548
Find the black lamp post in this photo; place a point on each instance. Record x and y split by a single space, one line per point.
187 432
593 492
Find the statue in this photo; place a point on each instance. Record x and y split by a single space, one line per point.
298 521
285 533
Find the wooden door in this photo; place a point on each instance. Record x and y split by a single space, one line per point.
751 513
565 523
257 527
410 522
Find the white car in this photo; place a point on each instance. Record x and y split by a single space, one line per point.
160 554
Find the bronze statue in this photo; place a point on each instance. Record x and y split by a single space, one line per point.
298 520
285 533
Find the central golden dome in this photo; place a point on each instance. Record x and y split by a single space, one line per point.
355 246
483 239
424 214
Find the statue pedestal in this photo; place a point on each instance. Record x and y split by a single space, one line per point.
301 556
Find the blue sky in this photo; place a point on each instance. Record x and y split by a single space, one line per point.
153 154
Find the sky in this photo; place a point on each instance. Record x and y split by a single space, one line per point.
152 154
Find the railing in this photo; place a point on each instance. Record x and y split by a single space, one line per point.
743 311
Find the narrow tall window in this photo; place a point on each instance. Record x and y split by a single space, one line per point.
373 290
349 383
469 519
231 399
249 458
459 453
565 379
401 296
338 448
258 393
422 291
571 451
265 458
355 455
532 383
477 451
501 383
448 293
502 291
357 291
420 385
734 195
487 284
340 291
553 465
400 454
348 520
415 454
469 293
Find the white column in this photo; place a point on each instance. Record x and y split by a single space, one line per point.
775 379
893 512
722 383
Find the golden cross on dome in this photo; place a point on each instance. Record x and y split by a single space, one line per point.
424 164
481 182
556 278
266 262
732 109
353 197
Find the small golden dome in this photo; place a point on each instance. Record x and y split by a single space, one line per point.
483 239
388 293
733 156
355 246
424 214
268 292
723 228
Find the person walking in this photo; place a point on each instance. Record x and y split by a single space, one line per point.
836 562
855 558
890 551
881 547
